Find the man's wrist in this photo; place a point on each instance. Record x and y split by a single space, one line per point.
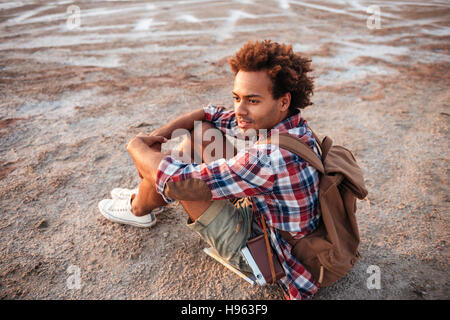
162 132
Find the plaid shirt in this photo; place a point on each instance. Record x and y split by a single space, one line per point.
281 185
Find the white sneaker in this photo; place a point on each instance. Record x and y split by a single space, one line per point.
119 210
122 194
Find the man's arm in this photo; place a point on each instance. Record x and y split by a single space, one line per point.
246 174
185 121
146 153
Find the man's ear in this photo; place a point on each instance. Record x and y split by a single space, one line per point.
285 101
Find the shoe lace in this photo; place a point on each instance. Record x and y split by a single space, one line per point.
120 205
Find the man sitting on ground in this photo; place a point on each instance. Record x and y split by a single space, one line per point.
271 85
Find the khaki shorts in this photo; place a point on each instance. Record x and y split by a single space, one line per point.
226 226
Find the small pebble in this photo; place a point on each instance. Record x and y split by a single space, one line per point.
42 224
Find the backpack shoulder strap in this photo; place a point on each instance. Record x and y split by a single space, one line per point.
323 146
294 145
316 137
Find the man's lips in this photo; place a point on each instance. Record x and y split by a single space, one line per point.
244 123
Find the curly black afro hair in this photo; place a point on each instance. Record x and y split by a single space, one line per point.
288 70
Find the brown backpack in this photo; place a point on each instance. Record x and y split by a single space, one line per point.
329 252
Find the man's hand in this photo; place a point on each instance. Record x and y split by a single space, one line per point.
145 150
151 141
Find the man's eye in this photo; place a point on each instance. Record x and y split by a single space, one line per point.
236 98
253 101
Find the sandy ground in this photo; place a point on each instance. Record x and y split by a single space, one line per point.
71 99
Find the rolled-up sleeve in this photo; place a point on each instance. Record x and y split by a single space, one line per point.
248 173
223 119
212 112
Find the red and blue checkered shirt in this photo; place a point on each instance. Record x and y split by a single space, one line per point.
282 186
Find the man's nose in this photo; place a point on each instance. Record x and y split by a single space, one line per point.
240 108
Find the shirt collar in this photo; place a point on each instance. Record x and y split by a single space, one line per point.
288 123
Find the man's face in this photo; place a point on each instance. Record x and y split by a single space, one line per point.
254 105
